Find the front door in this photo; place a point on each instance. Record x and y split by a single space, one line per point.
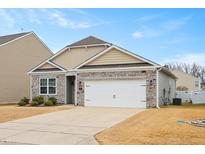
70 95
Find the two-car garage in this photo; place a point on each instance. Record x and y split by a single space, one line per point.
115 93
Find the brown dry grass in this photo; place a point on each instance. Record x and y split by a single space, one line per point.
158 126
13 112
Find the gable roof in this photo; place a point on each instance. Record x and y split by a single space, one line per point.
120 49
57 67
8 38
140 57
93 41
90 40
168 72
177 72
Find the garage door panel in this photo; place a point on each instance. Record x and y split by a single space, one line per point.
115 93
97 93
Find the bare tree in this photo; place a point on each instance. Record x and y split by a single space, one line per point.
186 67
193 69
182 88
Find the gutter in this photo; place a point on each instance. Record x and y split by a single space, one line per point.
115 69
157 83
91 45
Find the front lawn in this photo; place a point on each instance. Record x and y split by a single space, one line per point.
13 112
158 126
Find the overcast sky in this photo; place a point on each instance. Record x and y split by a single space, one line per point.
162 35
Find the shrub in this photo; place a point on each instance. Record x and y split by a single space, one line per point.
26 100
48 103
22 103
34 103
38 99
53 100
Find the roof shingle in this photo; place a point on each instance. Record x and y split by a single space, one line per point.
91 40
7 38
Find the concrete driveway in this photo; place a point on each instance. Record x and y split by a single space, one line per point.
74 126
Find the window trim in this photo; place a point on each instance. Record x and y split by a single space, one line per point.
47 78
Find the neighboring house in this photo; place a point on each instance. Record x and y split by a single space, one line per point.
93 72
19 53
203 86
186 80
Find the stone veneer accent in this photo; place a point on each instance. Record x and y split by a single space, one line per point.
149 76
60 86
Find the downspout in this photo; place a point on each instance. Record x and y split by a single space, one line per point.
157 89
30 87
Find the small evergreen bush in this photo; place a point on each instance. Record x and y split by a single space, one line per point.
53 100
38 99
21 103
48 103
26 100
34 103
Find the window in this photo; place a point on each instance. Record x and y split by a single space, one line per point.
196 84
43 86
52 86
48 86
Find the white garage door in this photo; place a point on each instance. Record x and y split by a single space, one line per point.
116 93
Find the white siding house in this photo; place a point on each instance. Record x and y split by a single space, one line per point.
167 88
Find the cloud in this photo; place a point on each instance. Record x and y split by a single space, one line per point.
159 28
177 23
147 18
33 17
146 33
138 34
60 19
79 11
69 18
12 19
8 20
179 38
189 58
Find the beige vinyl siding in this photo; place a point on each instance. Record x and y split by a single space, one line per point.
165 82
15 60
114 56
75 56
46 66
186 80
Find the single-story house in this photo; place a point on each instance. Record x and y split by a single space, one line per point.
19 53
93 72
187 82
